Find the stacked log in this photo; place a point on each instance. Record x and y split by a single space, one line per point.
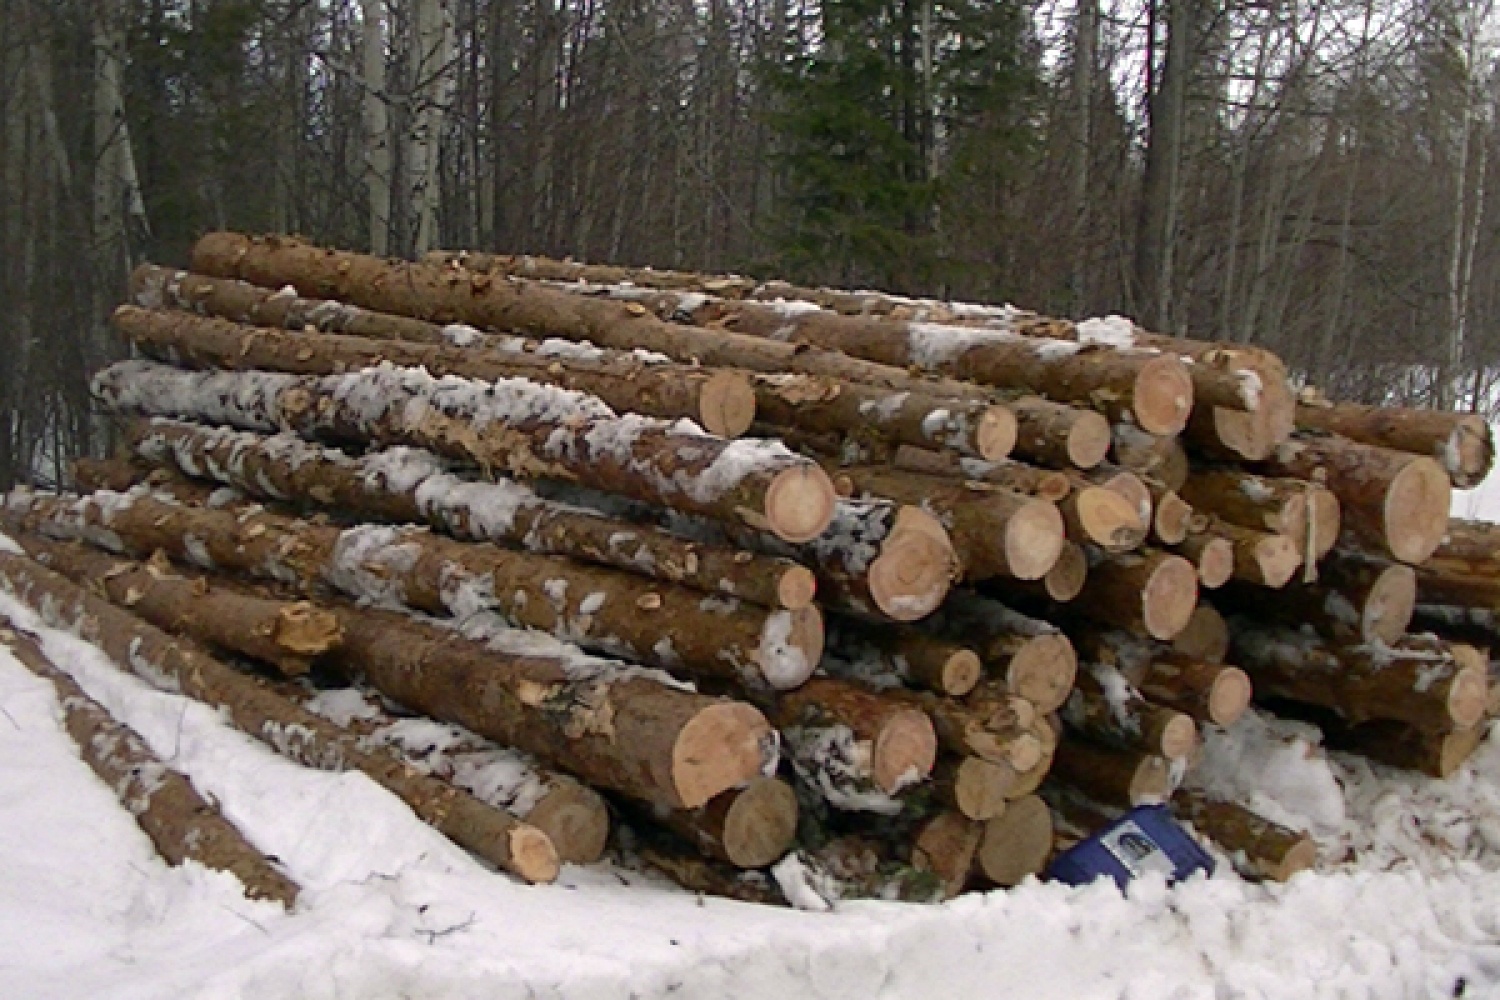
959 565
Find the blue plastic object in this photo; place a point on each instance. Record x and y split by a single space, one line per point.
1146 839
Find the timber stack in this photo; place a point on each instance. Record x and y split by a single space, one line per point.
818 594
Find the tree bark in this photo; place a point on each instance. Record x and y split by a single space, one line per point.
1108 710
1261 503
883 560
1121 778
748 827
1207 692
946 845
1150 592
894 656
894 746
1269 850
1205 638
181 824
491 833
1438 755
1032 658
1355 600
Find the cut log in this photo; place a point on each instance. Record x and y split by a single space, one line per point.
748 827
1268 850
1355 600
661 624
1065 580
990 723
1208 692
1422 681
1264 503
411 485
528 429
181 824
1150 456
1325 521
1059 436
1172 517
1206 637
1031 657
721 400
946 846
1044 484
491 833
118 474
288 635
1094 515
1121 778
731 286
1438 755
889 657
1152 592
1393 502
1261 559
1462 442
881 559
1016 843
687 867
977 788
1212 554
995 532
1122 481
1108 710
842 736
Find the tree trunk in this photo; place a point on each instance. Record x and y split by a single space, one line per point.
379 158
1262 503
979 789
1269 850
493 834
883 560
946 845
1207 692
1149 592
1462 442
1031 657
1438 755
1121 778
1355 600
1108 710
895 656
181 824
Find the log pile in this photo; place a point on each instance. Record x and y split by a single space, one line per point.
806 594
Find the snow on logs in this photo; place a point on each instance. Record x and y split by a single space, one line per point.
663 625
527 429
1461 442
182 665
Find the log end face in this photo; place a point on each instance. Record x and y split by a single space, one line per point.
761 824
1216 563
1034 537
1169 597
1206 636
1277 560
532 855
1178 737
995 436
904 752
1325 519
1043 671
981 787
1065 580
1016 843
1172 517
726 404
960 673
1229 696
1163 396
1109 520
915 568
1089 439
1391 601
576 819
796 588
306 630
799 503
1416 510
722 747
1249 436
1468 696
1152 781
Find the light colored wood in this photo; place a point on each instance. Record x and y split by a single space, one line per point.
1208 692
748 827
1212 554
977 788
1206 637
1017 842
1118 778
1462 442
946 846
1152 592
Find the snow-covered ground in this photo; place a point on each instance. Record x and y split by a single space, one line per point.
391 909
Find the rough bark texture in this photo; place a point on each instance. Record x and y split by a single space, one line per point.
1031 657
1263 503
1059 436
1151 592
1462 442
897 741
946 846
664 625
902 656
1355 600
526 429
183 666
1121 778
720 400
883 560
1208 692
1157 456
1044 484
1105 708
1268 850
1206 637
1438 755
408 485
748 827
177 819
1212 554
977 788
989 723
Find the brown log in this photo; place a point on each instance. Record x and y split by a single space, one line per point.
1392 501
1124 482
946 845
882 559
1151 456
1422 681
1150 591
288 635
687 867
1122 778
1172 517
181 824
1031 657
1269 850
995 532
1325 521
721 400
1059 436
410 485
990 723
1206 637
661 624
1108 710
491 833
894 744
1261 559
1208 692
977 788
731 286
1094 515
1462 442
1264 503
1355 600
1438 755
117 474
748 827
1212 554
1065 580
1017 842
1044 484
528 429
892 656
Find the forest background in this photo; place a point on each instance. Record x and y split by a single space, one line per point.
1308 176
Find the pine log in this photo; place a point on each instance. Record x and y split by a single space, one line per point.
1393 502
546 268
1094 515
664 625
1154 456
1059 436
688 868
995 532
977 788
721 400
946 845
1462 442
1016 843
1031 657
881 559
990 723
1355 600
181 824
1325 521
1260 558
1206 637
1208 692
1044 484
1106 708
1151 591
411 485
528 429
117 474
1065 580
1122 778
1422 681
1267 849
1212 554
288 635
491 833
1279 506
748 827
890 657
1438 755
1172 517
